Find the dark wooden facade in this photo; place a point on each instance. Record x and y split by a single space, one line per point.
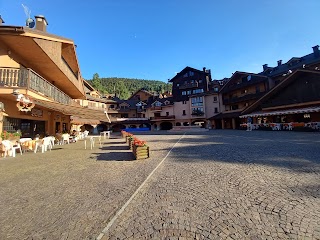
189 82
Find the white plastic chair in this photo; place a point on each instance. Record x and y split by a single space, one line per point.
65 138
44 143
7 148
15 147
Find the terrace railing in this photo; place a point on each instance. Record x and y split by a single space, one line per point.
30 80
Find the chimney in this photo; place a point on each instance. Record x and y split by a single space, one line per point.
279 63
1 20
265 67
204 69
316 50
41 23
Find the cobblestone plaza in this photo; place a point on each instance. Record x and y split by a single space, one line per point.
221 184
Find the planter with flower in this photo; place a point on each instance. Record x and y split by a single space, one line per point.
129 137
140 149
15 136
123 133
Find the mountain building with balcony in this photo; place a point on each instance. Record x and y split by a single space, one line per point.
189 88
245 89
238 93
39 79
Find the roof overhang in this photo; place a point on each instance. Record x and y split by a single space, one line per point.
22 42
282 112
73 110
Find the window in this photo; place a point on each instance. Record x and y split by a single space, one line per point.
167 113
200 90
197 111
200 81
215 110
188 92
215 89
157 104
215 99
185 75
178 84
191 73
197 101
184 112
184 93
234 107
184 102
244 91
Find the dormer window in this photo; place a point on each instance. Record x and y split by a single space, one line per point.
157 104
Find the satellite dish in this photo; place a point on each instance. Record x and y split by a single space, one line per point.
30 23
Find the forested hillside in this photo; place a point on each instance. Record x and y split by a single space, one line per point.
124 87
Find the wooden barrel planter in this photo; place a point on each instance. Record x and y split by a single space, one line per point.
141 152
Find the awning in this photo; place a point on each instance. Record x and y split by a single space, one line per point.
82 121
74 110
282 112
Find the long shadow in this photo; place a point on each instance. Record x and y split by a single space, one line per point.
115 156
116 148
278 153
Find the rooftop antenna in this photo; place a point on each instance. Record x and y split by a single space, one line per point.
29 22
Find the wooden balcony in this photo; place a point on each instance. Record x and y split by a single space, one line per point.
189 85
169 117
28 79
156 109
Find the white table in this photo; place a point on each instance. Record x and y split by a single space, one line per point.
91 139
104 133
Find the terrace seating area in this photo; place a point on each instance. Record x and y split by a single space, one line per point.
292 126
10 147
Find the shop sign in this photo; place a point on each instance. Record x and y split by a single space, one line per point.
37 113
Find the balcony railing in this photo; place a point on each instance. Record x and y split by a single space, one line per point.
189 85
163 117
247 97
27 78
156 108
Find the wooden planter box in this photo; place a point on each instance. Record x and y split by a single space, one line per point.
141 152
131 143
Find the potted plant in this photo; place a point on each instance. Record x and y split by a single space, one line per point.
140 149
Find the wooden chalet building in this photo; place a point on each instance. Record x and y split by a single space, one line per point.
189 88
242 90
295 101
39 79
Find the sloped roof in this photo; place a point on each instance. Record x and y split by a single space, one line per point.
185 70
278 88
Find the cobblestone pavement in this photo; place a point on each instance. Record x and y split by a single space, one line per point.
230 185
70 192
215 185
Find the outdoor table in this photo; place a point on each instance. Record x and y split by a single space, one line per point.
91 138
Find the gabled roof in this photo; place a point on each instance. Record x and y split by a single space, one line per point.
183 71
284 83
37 50
140 90
293 64
238 74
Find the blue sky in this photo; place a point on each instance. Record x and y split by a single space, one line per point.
151 39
